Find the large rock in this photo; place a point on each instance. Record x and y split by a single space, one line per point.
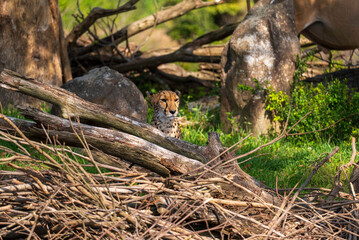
110 88
264 46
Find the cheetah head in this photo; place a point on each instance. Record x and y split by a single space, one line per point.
165 103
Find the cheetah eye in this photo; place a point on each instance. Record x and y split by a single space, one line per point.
177 100
163 100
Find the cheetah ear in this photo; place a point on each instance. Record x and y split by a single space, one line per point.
149 95
178 93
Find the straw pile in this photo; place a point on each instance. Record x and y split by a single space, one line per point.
52 194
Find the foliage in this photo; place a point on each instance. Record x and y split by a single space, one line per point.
185 28
329 103
12 111
290 158
200 21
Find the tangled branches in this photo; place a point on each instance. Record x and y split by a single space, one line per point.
107 51
56 192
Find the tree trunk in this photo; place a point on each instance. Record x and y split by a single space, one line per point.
30 38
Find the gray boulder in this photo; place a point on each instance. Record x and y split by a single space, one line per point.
111 89
264 46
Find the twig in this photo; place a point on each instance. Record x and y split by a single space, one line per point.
141 25
93 16
290 205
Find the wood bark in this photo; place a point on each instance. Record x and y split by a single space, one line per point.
73 106
30 43
115 143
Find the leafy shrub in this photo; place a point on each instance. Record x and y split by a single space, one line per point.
327 103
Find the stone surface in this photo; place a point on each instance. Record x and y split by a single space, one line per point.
111 89
264 46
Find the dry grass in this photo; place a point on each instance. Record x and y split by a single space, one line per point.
52 196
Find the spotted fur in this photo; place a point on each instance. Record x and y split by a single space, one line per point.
165 109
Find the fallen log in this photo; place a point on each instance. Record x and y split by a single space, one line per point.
138 151
137 142
72 106
349 76
119 144
186 53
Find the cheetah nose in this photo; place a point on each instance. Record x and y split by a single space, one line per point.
172 112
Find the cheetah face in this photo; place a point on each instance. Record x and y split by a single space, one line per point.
165 103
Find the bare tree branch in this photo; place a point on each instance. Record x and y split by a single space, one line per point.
119 144
96 13
184 54
173 72
73 106
146 23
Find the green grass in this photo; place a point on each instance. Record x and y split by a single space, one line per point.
13 112
283 163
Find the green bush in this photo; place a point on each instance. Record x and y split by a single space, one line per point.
327 103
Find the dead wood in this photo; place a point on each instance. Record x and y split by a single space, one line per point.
148 148
93 16
73 106
130 205
173 72
186 53
350 76
145 154
231 178
141 25
205 50
153 62
119 144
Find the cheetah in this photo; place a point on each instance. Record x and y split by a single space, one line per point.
165 109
